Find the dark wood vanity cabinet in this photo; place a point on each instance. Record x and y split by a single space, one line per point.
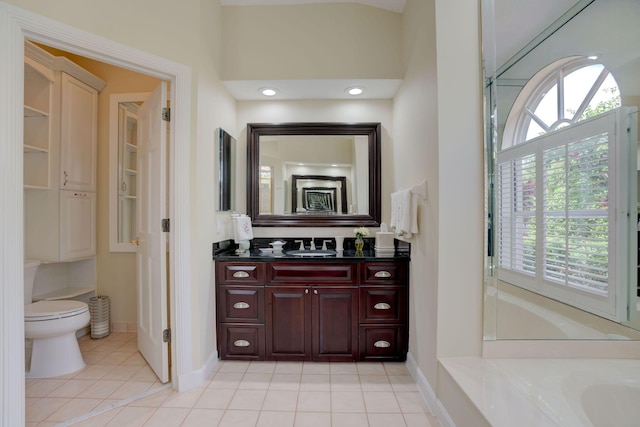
337 311
240 310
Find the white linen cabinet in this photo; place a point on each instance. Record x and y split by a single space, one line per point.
60 154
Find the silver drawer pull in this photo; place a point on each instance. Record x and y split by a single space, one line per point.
240 274
382 274
241 343
382 306
241 305
382 344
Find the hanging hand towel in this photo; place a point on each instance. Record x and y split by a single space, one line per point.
404 213
243 231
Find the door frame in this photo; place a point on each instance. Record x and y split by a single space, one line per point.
16 25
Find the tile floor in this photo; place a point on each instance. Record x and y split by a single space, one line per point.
238 394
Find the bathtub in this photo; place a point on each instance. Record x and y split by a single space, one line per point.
520 314
551 392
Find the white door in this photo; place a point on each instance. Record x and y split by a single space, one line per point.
152 249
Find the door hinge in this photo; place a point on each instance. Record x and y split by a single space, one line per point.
165 225
166 335
166 114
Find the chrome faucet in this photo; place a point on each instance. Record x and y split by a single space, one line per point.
324 244
313 245
301 244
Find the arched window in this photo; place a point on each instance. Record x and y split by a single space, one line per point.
560 218
563 93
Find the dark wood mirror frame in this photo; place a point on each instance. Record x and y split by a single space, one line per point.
371 130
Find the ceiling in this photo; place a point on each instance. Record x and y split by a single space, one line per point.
392 5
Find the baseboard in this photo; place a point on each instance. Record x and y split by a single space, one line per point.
198 377
124 327
427 393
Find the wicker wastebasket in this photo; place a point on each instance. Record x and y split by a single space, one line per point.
100 310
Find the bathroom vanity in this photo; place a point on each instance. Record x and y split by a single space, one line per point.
340 309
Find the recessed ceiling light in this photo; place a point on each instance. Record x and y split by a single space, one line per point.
355 90
268 91
593 57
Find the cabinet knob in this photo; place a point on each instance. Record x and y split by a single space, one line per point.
306 291
135 241
382 274
241 274
382 344
66 178
241 305
382 306
241 343
315 291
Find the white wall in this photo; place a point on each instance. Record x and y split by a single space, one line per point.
312 41
416 158
438 136
460 157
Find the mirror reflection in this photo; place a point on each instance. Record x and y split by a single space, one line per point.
314 174
562 175
286 159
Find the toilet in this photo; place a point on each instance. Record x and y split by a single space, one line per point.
51 326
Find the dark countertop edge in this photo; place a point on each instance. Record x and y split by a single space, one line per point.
252 256
225 251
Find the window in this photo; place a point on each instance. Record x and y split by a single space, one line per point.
556 204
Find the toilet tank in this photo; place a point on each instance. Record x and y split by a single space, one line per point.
30 268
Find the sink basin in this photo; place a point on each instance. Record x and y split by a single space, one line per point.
316 253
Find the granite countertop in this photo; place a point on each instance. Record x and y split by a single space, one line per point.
260 250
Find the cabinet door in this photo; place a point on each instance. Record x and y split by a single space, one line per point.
288 323
335 324
77 225
78 135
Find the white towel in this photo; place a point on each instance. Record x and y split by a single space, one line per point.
404 213
242 230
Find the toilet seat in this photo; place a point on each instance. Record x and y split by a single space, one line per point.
50 310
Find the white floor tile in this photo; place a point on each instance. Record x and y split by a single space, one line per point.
314 401
203 417
238 393
280 400
276 419
347 401
167 417
239 418
381 402
350 420
312 419
387 420
250 400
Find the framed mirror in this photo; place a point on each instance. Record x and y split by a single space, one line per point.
226 160
314 174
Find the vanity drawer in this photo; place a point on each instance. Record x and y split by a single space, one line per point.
383 305
242 342
383 343
383 273
249 273
240 304
313 272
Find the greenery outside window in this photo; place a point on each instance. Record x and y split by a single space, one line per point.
556 206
